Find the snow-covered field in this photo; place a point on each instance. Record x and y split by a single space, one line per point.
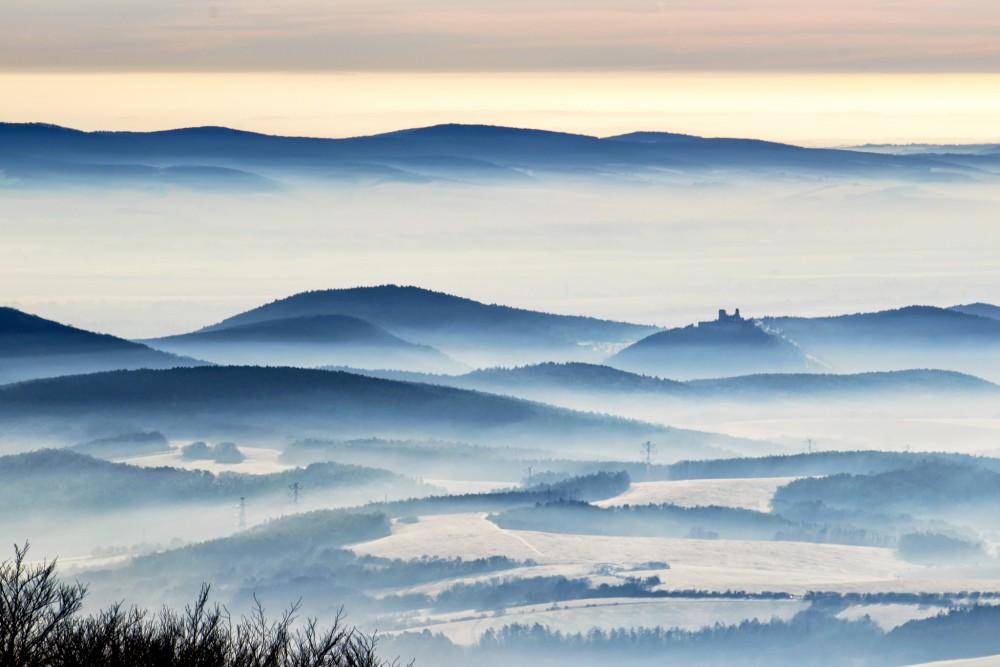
746 493
694 564
988 661
680 564
582 615
970 436
265 460
259 461
711 565
459 487
596 575
889 616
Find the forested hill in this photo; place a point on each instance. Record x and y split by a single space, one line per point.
34 347
205 402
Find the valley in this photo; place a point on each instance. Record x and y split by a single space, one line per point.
451 509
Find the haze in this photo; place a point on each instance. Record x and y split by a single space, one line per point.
143 264
556 332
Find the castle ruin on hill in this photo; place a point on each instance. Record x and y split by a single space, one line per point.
726 317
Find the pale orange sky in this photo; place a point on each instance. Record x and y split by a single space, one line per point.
805 71
809 72
804 108
501 35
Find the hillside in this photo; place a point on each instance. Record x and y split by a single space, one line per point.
725 347
965 490
314 340
592 379
914 392
979 309
910 337
858 386
457 326
925 324
223 402
33 347
35 154
572 376
547 377
76 482
124 446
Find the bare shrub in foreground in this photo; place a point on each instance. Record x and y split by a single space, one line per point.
40 626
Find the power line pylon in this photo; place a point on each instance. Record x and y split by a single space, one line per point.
243 513
648 449
295 491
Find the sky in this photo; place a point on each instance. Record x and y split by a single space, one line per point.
804 71
144 264
513 35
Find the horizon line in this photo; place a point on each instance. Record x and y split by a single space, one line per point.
183 128
816 110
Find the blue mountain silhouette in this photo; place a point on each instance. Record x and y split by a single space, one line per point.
452 324
39 153
979 309
313 340
34 347
207 401
722 348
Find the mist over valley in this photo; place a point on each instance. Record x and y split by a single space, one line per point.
505 394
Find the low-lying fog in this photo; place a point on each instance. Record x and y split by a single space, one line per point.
151 263
731 526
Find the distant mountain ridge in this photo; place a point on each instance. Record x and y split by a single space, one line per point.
39 153
908 322
415 330
225 401
731 345
535 382
411 306
974 156
477 333
34 347
311 340
902 338
806 385
929 149
82 484
979 309
603 378
24 334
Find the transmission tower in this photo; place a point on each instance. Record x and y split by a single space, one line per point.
648 450
809 444
529 470
294 490
243 513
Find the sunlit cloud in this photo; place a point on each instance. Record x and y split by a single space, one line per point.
447 35
814 109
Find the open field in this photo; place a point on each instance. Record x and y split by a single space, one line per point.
258 461
988 661
748 493
607 614
794 567
851 432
